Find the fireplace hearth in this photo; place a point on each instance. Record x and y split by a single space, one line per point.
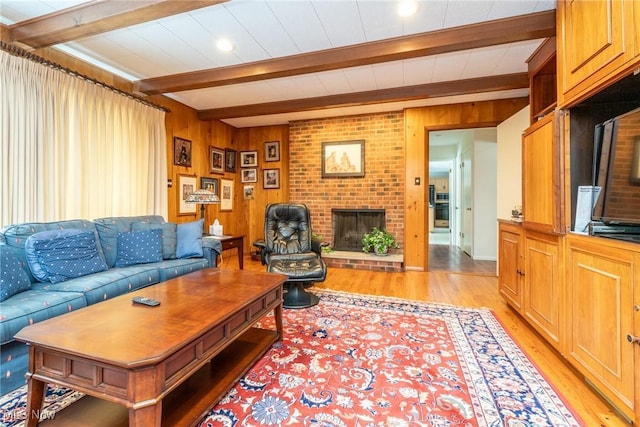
350 225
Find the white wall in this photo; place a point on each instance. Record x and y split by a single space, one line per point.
509 167
485 245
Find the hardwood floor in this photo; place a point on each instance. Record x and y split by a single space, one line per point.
471 290
453 259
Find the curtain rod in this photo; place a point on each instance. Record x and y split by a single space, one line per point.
17 51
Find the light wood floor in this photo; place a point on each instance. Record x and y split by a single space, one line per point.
470 290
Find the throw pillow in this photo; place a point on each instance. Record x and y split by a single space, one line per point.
139 247
190 239
59 255
13 279
169 236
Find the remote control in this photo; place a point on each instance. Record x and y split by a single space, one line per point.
145 301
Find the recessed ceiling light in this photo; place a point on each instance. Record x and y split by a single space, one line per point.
407 8
224 45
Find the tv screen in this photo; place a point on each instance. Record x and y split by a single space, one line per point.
616 170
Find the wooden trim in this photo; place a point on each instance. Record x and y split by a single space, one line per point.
431 90
96 17
490 33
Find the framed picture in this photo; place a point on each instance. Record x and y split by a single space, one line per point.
343 159
271 178
248 159
248 192
226 194
211 184
229 160
181 152
216 160
272 151
249 175
186 186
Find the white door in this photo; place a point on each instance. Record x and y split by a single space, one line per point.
466 228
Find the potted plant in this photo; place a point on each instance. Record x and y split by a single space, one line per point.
378 240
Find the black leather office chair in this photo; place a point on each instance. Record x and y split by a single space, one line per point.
289 250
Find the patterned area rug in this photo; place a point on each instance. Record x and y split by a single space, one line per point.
356 360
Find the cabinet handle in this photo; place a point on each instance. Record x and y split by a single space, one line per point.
520 272
636 307
633 339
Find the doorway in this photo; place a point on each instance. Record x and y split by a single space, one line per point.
451 246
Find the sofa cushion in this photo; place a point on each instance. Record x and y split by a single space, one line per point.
59 255
108 229
190 239
139 247
107 284
172 268
33 306
16 235
13 279
169 236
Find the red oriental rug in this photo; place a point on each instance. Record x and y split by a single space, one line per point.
356 360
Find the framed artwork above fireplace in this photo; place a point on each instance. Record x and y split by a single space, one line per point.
343 159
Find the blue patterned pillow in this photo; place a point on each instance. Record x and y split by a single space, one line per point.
169 236
59 255
139 247
190 239
13 279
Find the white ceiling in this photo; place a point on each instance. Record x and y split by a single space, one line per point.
267 29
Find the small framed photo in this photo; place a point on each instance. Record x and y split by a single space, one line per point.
186 186
272 151
216 160
226 194
181 152
211 184
248 192
271 178
248 159
249 175
230 160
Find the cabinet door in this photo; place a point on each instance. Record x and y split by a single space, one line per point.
595 39
510 265
601 294
541 185
543 285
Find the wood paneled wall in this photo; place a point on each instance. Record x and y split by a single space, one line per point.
418 123
250 213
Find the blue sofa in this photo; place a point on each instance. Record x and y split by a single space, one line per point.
42 300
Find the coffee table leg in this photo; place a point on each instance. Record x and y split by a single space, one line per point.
147 416
277 313
35 395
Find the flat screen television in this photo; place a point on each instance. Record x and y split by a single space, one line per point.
616 170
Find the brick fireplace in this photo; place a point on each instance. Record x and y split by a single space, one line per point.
381 188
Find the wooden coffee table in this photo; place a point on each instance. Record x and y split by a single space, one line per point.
152 366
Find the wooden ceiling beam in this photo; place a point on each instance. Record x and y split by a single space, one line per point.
490 33
431 90
95 17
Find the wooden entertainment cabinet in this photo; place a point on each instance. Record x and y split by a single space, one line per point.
581 293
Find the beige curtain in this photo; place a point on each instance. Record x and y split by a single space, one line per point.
73 149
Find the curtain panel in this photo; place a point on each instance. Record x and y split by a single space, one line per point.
74 149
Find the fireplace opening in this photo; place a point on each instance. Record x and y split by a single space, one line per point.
350 225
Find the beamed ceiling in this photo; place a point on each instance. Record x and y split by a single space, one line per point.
295 59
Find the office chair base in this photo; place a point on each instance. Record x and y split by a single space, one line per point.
297 297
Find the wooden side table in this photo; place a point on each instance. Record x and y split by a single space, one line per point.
230 242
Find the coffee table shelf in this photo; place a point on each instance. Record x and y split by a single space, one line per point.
189 402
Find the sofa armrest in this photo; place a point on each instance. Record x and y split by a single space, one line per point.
211 248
